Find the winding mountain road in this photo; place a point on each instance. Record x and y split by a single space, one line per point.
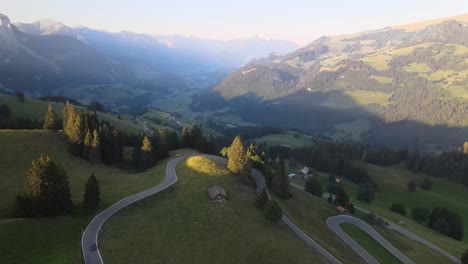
90 235
334 224
402 231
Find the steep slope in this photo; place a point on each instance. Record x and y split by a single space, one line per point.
385 76
173 53
37 64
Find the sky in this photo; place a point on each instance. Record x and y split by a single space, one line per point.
301 21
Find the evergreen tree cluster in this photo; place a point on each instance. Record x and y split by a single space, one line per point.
447 222
272 211
276 178
398 208
451 165
334 158
313 186
93 140
464 257
151 149
46 190
194 138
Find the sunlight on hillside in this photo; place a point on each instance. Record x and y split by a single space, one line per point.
206 166
369 97
379 62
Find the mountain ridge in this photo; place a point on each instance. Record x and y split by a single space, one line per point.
386 76
234 53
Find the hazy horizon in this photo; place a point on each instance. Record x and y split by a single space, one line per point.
297 21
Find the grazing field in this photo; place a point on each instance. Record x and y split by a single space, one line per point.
392 188
369 244
182 226
417 67
55 240
287 139
363 97
381 79
379 62
310 214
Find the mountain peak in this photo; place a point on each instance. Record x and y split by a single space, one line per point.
4 21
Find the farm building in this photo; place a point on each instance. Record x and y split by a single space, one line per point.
217 193
341 209
303 174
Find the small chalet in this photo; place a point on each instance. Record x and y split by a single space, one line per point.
303 174
217 193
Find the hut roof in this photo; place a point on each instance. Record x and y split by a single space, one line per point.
216 190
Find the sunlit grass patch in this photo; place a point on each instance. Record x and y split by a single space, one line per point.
381 79
379 62
363 97
417 67
205 165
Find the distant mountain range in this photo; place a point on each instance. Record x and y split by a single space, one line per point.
362 86
46 56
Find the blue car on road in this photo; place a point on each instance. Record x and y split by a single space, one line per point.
93 247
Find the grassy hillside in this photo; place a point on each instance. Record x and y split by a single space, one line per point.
182 226
394 78
392 183
369 244
305 209
55 240
290 139
33 108
310 214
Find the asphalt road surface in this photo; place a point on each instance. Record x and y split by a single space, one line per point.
334 224
403 231
90 235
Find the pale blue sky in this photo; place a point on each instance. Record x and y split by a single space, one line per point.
301 21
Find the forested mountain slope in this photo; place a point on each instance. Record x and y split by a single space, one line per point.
409 76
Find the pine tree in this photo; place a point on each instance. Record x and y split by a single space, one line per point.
77 131
272 211
117 146
95 151
464 258
261 199
47 191
50 119
160 144
186 138
145 157
312 186
92 193
65 115
237 158
69 115
465 147
146 146
172 140
196 138
88 141
280 181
